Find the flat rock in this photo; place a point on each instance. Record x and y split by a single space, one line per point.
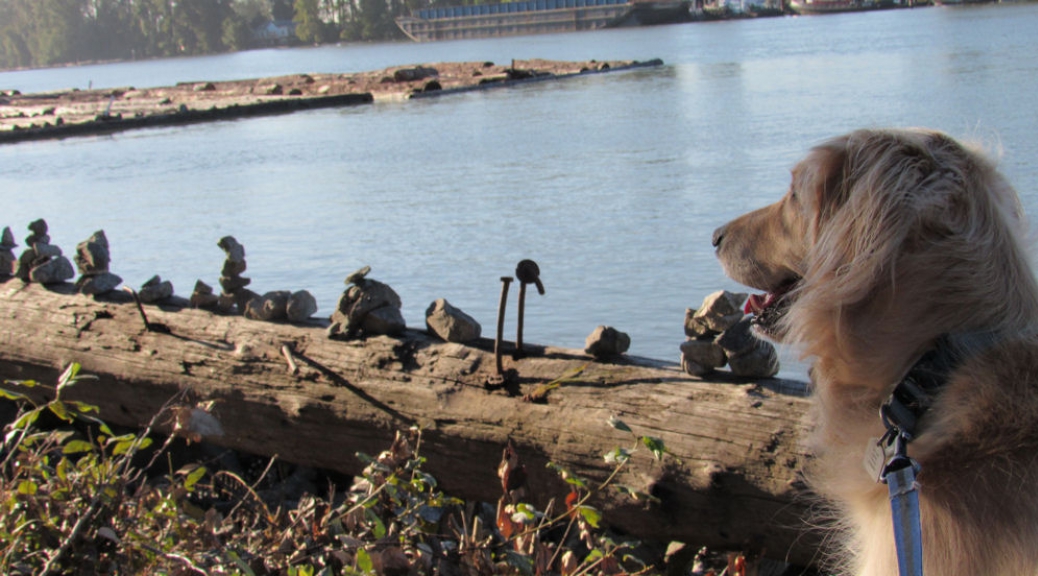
100 283
450 323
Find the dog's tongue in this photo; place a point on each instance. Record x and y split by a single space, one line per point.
756 303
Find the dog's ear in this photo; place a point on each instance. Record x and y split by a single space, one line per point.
866 185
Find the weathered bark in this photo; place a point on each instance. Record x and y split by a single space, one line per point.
731 479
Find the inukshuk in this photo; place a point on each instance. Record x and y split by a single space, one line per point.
42 262
93 259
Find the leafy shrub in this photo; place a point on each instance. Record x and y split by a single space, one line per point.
77 498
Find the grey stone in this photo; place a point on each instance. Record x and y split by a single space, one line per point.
100 283
720 311
301 306
54 271
92 256
155 290
39 232
761 361
232 268
8 263
203 296
232 284
606 341
358 276
7 239
270 306
739 338
705 354
386 320
42 250
450 323
234 250
361 300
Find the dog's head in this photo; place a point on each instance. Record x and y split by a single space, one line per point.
882 229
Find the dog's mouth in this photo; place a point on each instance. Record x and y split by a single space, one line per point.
769 308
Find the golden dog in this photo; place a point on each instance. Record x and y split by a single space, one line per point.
889 244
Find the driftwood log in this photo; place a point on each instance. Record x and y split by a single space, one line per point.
730 482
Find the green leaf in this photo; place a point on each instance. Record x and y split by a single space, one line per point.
63 468
378 528
26 420
27 487
591 515
76 447
654 444
83 407
193 478
364 563
59 410
619 424
618 456
68 377
5 393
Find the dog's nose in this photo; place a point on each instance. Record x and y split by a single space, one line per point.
718 235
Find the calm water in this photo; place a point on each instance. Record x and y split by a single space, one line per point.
612 183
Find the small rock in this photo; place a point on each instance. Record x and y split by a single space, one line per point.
606 341
761 361
702 353
203 296
234 250
156 290
450 323
720 310
301 306
42 251
7 239
358 276
386 320
739 338
39 232
100 283
270 306
8 263
204 87
54 271
92 256
232 284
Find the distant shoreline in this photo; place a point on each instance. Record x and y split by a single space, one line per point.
73 112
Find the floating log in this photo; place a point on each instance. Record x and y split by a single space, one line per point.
73 112
730 479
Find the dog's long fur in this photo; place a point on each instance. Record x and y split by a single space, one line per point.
891 239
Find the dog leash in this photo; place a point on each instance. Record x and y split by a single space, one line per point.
887 458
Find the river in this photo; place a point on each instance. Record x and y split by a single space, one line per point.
611 183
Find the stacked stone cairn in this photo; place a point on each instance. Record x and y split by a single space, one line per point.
277 305
450 323
606 342
234 285
719 333
367 307
8 261
92 259
42 262
155 290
